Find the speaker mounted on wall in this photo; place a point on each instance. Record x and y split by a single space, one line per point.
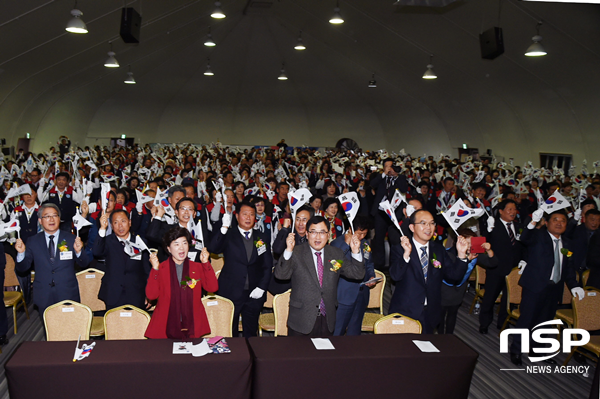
131 22
492 43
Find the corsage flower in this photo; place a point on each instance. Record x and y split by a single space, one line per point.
566 252
335 265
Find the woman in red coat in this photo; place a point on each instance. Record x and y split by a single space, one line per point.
177 283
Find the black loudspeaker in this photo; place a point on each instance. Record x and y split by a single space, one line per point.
489 152
492 43
131 22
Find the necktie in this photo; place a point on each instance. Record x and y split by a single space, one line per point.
424 262
247 234
388 181
510 233
320 274
556 269
51 248
447 198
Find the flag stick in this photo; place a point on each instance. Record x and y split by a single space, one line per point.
76 349
293 221
483 206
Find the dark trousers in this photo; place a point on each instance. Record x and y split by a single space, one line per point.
449 315
3 316
250 310
348 318
320 329
494 284
383 226
536 308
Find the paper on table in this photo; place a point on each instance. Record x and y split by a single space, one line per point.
182 348
322 343
426 346
201 349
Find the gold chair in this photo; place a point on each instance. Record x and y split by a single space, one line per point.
584 277
217 263
125 322
219 311
375 302
566 315
513 297
13 299
480 275
89 281
266 321
396 323
586 315
67 320
281 310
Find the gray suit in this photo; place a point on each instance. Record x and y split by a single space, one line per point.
306 291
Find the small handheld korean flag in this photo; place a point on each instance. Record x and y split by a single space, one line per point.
141 200
554 203
13 225
297 199
538 196
460 213
84 351
350 205
79 222
397 199
387 208
104 194
16 191
196 232
582 196
135 248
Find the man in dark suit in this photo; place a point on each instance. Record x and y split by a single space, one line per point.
3 316
54 253
28 221
247 269
315 269
581 236
418 267
353 295
125 277
548 268
385 185
504 238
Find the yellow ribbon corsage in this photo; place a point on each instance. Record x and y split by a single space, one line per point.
336 265
566 252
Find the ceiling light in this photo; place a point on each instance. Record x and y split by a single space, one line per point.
299 45
282 75
429 74
337 17
536 49
209 41
208 71
129 79
217 12
76 24
111 61
372 82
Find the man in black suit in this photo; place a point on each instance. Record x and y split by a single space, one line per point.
385 185
581 236
55 253
28 221
504 237
315 269
548 268
125 277
247 269
418 266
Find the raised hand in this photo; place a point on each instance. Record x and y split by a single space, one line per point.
78 246
85 208
204 255
355 244
462 246
290 242
104 221
406 245
20 246
287 223
154 260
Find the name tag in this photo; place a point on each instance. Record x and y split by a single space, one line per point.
125 314
199 245
192 256
397 321
212 303
67 255
262 249
591 294
90 276
66 310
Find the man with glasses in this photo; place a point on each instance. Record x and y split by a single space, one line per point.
315 269
35 177
62 196
418 266
54 253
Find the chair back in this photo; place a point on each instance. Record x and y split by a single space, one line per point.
396 323
269 301
217 263
513 289
67 320
219 311
10 277
281 310
480 275
376 293
89 281
584 277
566 298
125 322
586 312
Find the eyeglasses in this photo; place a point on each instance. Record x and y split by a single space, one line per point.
185 208
47 217
424 224
317 233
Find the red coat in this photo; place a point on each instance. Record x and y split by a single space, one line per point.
159 286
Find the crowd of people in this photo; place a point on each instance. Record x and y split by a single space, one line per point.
71 208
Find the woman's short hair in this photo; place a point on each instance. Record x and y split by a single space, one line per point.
175 233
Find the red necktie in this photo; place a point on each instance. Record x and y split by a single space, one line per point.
320 274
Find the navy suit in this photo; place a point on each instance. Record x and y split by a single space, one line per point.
240 275
352 297
124 282
580 237
55 281
412 290
541 296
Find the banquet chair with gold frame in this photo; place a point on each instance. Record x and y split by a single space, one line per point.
266 321
67 320
375 302
281 310
219 311
513 297
89 281
586 315
13 299
125 322
396 323
217 263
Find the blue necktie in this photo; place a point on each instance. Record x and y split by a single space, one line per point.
424 262
247 234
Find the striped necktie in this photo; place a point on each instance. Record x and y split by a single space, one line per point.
424 262
320 274
510 233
